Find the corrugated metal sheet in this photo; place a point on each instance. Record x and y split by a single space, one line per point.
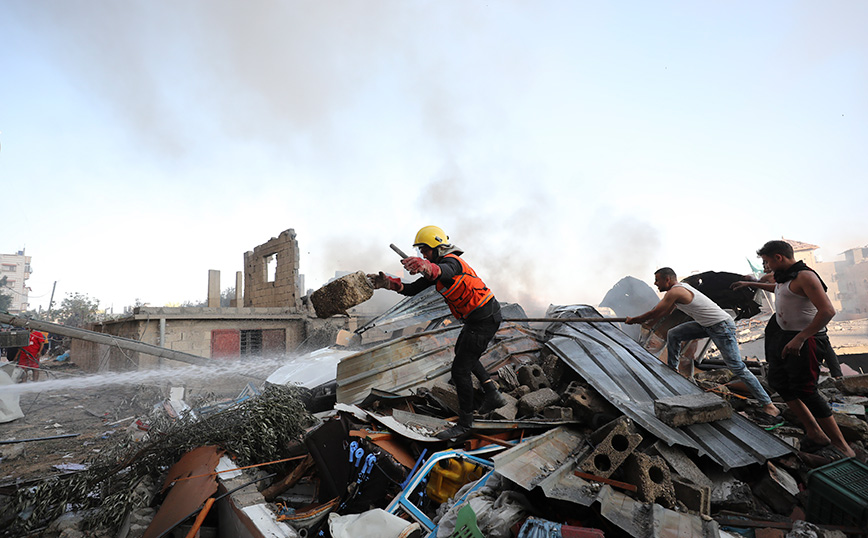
420 360
631 379
528 463
425 306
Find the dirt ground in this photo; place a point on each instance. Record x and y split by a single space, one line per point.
99 416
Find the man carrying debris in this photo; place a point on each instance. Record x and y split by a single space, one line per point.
709 320
470 301
796 340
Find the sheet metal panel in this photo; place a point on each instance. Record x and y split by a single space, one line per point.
420 360
528 463
632 379
425 306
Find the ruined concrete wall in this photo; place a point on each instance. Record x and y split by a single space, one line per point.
93 357
283 290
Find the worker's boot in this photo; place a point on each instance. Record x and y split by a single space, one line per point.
493 400
465 423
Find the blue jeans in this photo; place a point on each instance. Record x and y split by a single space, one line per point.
723 336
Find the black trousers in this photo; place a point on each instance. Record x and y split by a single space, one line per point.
471 344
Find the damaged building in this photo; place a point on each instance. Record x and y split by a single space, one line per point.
269 318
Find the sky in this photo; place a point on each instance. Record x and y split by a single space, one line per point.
562 145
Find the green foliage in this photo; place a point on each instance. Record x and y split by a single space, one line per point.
256 430
227 296
77 310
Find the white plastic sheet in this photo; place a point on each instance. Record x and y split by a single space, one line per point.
375 523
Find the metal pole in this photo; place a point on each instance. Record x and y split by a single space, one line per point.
51 301
569 320
105 339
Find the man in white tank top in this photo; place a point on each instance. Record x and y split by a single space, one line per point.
796 341
709 320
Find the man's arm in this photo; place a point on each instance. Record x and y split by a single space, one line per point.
663 308
768 286
808 284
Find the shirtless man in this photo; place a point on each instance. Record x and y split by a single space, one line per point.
796 340
709 321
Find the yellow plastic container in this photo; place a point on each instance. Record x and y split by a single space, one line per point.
447 477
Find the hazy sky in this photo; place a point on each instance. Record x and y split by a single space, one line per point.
562 145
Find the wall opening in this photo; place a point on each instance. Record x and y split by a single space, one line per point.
271 267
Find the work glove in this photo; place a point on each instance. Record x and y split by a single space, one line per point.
383 280
416 265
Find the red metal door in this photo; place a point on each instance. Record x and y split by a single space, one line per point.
225 344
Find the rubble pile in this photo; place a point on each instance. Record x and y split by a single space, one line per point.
598 438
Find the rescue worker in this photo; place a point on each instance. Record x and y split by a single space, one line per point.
470 301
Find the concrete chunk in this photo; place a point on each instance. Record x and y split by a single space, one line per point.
728 493
854 384
685 409
533 403
556 412
447 395
681 463
777 488
340 294
508 411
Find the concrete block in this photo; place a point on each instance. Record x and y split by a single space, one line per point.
508 378
852 428
447 395
340 294
585 401
533 376
554 369
727 493
777 488
696 498
683 466
612 450
522 391
854 384
556 412
533 403
651 476
684 409
508 411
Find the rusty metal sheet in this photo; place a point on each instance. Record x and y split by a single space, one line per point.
193 481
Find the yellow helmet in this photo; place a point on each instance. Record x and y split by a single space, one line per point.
431 236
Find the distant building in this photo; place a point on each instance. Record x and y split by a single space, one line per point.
847 279
266 318
16 269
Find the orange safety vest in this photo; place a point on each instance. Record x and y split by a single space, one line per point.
467 292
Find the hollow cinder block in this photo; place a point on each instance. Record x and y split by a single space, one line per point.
611 452
695 497
533 376
651 476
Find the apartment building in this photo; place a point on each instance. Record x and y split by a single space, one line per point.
16 269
